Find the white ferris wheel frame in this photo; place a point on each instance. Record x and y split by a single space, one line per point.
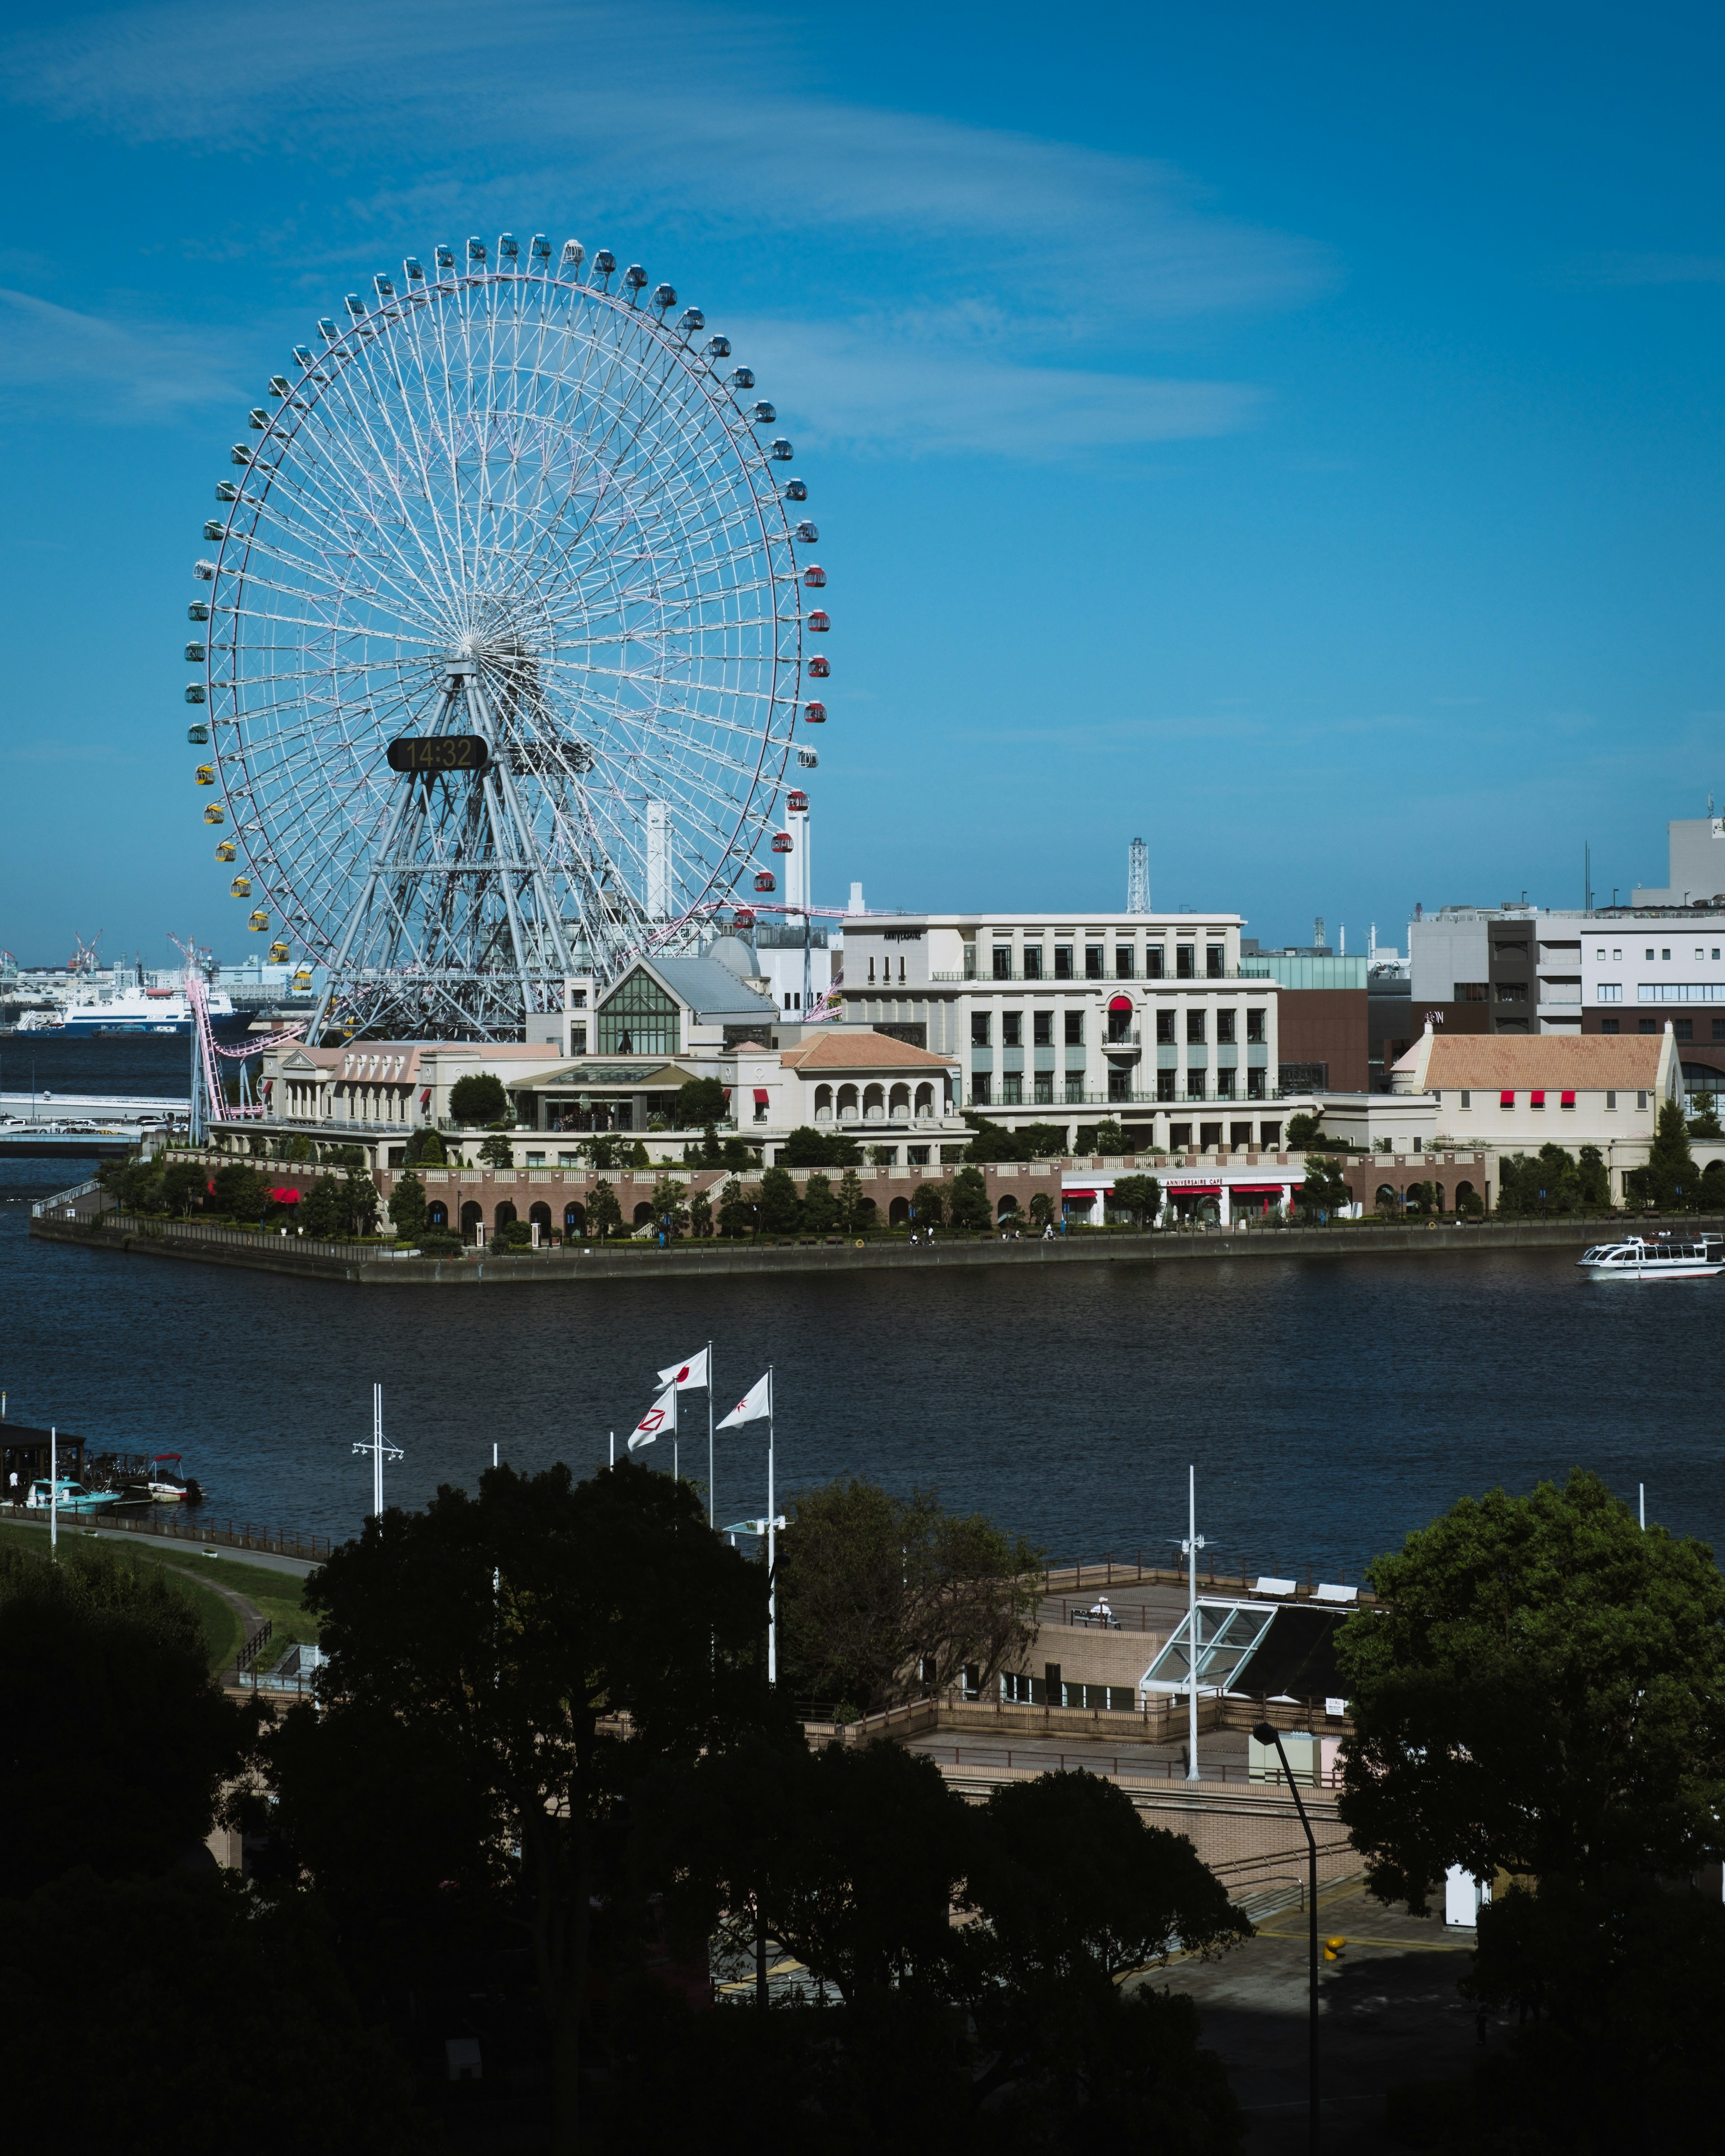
598 577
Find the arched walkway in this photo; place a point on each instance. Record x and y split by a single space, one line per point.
472 1216
506 1214
644 1213
574 1219
540 1215
1386 1198
898 1213
437 1213
1007 1204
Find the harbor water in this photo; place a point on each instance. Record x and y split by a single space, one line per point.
1330 1404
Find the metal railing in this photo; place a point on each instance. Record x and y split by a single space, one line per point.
254 1647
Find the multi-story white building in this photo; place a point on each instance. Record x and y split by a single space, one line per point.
1144 1019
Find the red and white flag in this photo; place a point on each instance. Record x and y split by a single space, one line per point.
660 1417
686 1377
755 1405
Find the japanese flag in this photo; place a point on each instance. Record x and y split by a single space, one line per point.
661 1416
686 1377
755 1403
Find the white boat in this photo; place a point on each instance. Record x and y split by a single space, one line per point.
1665 1258
143 1010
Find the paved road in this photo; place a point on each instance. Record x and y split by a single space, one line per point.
1389 2013
265 1560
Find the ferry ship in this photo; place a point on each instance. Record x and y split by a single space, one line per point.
1635 1258
145 1010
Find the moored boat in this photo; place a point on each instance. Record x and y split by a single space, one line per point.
1665 1257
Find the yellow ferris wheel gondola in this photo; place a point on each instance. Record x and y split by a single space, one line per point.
258 920
224 851
215 813
278 953
241 887
205 775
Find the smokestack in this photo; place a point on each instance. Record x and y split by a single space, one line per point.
658 869
798 883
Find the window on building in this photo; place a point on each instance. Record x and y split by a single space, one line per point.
1511 992
1033 962
1119 1086
1268 1137
1156 963
1225 1025
1615 956
1209 1137
1716 952
1665 954
1466 1098
1610 992
1125 964
1225 1084
1044 1088
1042 1029
639 1018
981 1086
1602 950
970 961
1002 962
1195 1025
1093 962
1255 1086
1699 952
1164 1084
1719 1029
1683 1028
1063 962
577 1041
1649 951
980 1028
1609 1025
871 972
1213 959
1473 991
1012 1028
1640 1100
1611 1101
1185 963
1647 1026
1075 1029
1255 1026
1075 1086
1165 1027
1194 1085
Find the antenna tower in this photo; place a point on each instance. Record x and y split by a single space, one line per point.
1138 877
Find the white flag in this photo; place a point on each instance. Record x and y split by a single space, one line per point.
661 1416
755 1403
686 1377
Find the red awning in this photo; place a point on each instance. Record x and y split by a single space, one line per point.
1120 1002
424 1096
1078 1193
1197 1189
1536 1100
761 1096
1257 1189
1566 1100
1505 1100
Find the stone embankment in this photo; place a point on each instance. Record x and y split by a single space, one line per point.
374 1264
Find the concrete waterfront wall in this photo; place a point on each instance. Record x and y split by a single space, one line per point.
588 1262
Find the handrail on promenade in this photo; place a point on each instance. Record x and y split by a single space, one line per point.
181 1525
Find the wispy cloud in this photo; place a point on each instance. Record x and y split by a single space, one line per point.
682 123
110 369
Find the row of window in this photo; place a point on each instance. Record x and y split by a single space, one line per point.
1012 1027
1535 1099
1683 1028
1007 1089
1127 963
1701 951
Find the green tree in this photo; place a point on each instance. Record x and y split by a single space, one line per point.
638 1156
842 1150
478 1099
1422 1199
736 1213
700 1216
297 1148
1669 1180
497 1151
928 1205
504 1635
1111 1138
407 1205
781 1210
1138 1195
359 1201
849 1201
883 1597
1304 1130
992 1142
820 1211
1593 1180
241 1193
968 1204
1042 1209
735 1154
116 1738
806 1147
425 1148
671 1205
171 1960
1541 1691
1704 1124
604 1216
185 1184
1325 1190
320 1211
711 1155
699 1101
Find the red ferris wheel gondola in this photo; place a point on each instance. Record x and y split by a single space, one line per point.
814 715
797 802
765 881
782 842
818 669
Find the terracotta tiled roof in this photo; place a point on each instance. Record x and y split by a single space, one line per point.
1579 1063
855 1048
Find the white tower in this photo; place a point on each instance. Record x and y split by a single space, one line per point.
659 862
799 877
1138 877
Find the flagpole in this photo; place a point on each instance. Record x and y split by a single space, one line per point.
771 1579
1192 1624
710 1515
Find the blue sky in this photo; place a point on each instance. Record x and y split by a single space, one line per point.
1291 435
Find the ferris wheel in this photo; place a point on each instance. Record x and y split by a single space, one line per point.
505 649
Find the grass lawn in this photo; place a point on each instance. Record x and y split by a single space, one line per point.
276 1594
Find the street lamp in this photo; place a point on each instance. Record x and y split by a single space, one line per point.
1267 1734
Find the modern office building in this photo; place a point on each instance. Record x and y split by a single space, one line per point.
1151 1019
